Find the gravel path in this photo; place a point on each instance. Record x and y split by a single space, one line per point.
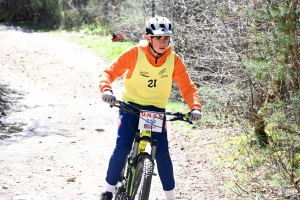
69 133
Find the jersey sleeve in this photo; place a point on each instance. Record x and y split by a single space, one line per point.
187 88
126 61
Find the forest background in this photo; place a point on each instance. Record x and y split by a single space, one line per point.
243 55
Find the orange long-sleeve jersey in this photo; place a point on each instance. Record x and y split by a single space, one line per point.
126 62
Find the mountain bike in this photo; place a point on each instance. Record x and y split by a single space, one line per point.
135 179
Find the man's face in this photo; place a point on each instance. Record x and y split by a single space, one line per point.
160 43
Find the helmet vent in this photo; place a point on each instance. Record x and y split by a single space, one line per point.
153 27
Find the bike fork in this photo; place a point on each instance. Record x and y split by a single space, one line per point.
132 164
153 149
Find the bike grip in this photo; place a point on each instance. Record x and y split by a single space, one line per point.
186 116
115 102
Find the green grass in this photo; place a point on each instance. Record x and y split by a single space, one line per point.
94 29
177 107
251 166
102 45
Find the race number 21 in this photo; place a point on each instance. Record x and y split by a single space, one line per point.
152 83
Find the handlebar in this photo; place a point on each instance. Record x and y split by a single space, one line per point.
177 116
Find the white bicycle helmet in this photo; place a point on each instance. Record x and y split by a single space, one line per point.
159 26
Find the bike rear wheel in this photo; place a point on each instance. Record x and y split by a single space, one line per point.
143 178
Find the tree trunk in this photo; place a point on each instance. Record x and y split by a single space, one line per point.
260 128
153 8
259 120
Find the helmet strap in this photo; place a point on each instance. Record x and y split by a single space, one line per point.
157 54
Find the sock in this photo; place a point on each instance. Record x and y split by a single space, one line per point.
170 195
110 188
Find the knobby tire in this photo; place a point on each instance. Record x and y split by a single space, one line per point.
120 191
143 178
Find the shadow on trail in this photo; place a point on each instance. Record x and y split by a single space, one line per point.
19 121
6 27
9 97
10 104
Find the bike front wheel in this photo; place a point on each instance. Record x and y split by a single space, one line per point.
120 189
120 193
143 178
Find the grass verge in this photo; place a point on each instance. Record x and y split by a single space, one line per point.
102 45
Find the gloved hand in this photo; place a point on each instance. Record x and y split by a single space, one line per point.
195 115
108 97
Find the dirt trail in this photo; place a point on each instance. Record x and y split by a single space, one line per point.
52 85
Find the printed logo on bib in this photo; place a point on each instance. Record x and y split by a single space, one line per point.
162 71
145 74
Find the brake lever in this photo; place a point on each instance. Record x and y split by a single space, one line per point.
180 118
124 106
186 120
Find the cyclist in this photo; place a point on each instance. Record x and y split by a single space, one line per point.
149 69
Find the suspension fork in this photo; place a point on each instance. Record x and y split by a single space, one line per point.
132 165
153 149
